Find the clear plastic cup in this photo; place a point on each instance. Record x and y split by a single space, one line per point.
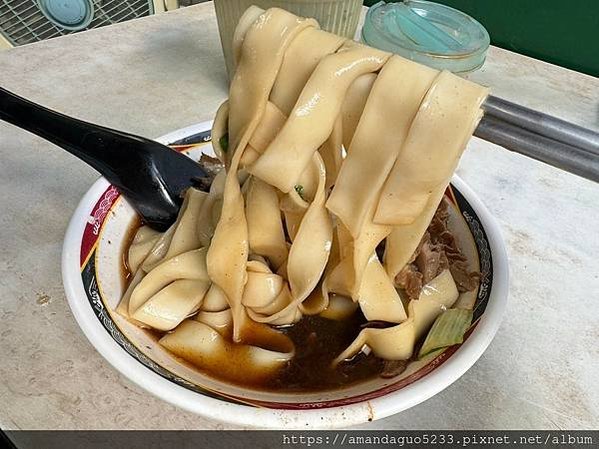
337 16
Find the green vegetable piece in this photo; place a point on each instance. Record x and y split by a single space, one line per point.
432 355
224 142
300 191
448 330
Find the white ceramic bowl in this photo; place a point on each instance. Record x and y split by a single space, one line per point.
93 280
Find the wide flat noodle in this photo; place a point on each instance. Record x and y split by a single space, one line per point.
123 306
171 291
215 300
313 117
261 56
377 296
383 127
315 303
308 111
263 48
186 237
319 300
308 255
339 308
364 247
158 251
301 58
262 286
295 203
265 225
404 239
428 159
245 22
294 207
353 105
338 277
332 152
282 311
394 99
171 305
397 342
220 131
348 276
221 322
143 242
182 236
310 250
206 348
271 123
211 207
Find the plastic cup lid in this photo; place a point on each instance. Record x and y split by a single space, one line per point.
68 14
426 32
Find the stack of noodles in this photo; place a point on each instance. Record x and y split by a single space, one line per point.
330 148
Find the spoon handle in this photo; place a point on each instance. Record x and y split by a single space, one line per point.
152 176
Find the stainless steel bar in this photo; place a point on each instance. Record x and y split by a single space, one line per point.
542 124
559 154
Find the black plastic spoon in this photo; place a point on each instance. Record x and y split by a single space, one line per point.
150 175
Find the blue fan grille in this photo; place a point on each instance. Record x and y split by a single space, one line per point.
22 22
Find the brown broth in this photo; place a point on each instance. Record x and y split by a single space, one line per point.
310 370
318 341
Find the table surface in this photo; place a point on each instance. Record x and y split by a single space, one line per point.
157 74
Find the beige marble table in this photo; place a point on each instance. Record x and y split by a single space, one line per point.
157 74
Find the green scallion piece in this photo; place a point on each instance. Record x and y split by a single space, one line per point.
224 142
448 330
300 191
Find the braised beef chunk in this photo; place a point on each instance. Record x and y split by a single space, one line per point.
429 260
392 368
211 166
437 251
410 280
465 280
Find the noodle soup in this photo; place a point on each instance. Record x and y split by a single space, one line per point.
322 250
318 340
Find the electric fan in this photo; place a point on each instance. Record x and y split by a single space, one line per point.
26 21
